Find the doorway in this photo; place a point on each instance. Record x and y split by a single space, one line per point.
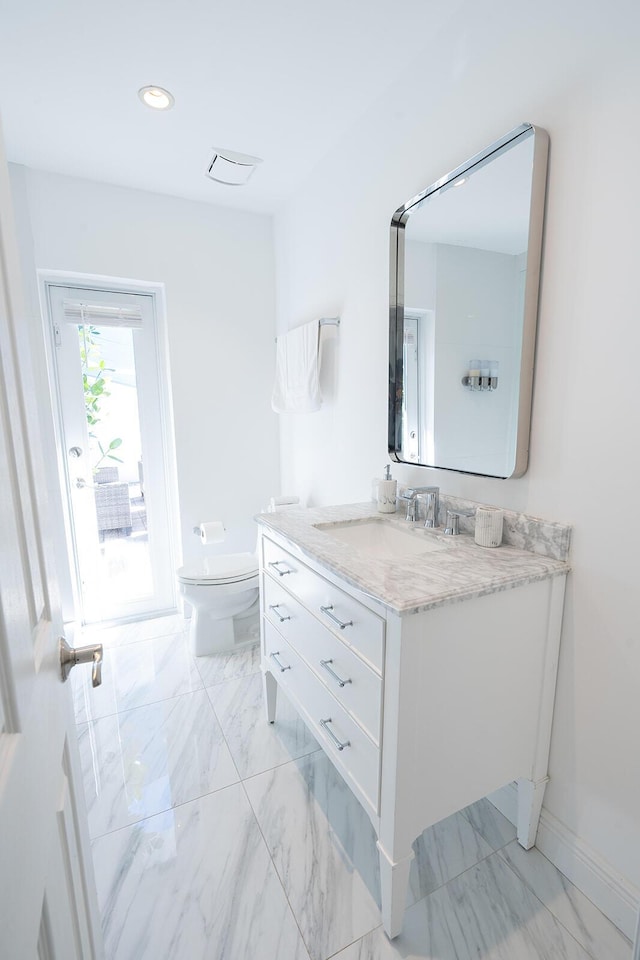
111 395
418 427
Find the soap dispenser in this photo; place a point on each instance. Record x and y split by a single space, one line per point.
387 490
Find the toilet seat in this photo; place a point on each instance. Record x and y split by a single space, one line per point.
227 568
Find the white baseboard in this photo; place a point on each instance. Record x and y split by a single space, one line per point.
612 894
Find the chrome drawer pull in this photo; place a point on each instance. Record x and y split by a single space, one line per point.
339 681
274 607
334 619
275 564
274 657
340 746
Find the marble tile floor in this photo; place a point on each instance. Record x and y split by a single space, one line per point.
216 836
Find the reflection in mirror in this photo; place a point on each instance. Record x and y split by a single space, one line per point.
465 262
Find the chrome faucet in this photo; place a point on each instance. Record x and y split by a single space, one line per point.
413 496
431 497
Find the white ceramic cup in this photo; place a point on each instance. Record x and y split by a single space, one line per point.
488 532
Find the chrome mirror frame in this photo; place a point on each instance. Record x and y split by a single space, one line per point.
532 282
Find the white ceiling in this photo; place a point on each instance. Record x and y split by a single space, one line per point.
279 79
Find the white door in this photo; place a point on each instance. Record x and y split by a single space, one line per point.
47 895
113 430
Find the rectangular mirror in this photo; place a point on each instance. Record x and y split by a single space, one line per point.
465 267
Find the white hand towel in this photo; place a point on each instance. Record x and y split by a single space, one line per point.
297 387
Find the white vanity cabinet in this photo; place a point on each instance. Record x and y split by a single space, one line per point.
333 674
422 712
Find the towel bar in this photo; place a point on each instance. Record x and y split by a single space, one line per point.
325 322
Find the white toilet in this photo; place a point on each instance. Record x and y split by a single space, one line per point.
221 591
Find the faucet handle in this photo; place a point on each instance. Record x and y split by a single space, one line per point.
453 521
410 498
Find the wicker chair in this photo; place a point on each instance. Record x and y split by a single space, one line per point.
113 508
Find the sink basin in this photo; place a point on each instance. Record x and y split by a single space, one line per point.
381 540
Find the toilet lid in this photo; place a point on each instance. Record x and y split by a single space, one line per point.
230 566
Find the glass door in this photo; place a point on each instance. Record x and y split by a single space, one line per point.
109 394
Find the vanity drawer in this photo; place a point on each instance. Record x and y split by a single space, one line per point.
359 758
362 629
361 690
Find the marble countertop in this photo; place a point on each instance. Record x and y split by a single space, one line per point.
459 571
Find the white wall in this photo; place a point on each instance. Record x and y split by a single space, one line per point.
572 68
218 269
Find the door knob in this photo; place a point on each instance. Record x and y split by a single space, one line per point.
69 656
75 452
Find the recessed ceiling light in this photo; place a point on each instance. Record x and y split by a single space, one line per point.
156 97
232 168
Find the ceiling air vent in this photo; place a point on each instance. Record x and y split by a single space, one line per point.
232 168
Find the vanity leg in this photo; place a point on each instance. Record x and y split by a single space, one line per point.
530 797
270 690
394 884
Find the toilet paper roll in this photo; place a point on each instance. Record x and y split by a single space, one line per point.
212 531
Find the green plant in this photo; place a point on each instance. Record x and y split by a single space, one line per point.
95 383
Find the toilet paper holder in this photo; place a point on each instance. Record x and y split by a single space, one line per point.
199 531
